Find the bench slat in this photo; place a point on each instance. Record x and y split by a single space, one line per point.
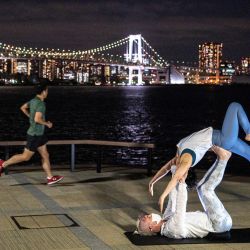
84 142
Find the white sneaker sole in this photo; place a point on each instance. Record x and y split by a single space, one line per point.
51 183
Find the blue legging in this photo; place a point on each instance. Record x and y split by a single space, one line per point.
227 137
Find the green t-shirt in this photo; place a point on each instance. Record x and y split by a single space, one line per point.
36 105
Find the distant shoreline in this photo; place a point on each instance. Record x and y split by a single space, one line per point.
134 86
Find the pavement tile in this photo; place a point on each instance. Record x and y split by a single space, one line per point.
104 205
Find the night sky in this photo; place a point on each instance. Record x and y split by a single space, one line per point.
173 27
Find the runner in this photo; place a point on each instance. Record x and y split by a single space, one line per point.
36 139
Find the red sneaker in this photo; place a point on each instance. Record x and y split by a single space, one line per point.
1 166
54 179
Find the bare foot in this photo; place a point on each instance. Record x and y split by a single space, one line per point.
247 138
222 153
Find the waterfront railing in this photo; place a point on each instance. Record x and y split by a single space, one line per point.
100 146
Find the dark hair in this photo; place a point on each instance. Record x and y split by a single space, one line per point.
191 179
40 87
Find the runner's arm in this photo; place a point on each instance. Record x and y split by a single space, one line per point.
25 109
39 119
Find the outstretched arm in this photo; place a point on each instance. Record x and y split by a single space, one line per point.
161 173
182 168
171 205
175 226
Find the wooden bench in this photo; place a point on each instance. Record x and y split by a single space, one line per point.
100 145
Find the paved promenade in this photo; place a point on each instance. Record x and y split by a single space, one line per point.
92 211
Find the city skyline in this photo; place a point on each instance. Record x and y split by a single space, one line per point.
174 28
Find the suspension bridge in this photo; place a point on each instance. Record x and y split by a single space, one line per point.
131 57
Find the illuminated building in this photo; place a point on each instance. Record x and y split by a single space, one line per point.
22 67
210 55
82 77
191 74
69 76
3 65
245 65
36 68
12 66
227 69
49 69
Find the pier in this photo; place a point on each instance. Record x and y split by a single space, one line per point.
90 210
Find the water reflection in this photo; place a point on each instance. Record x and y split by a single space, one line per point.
162 115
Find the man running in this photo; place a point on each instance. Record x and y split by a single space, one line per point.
36 139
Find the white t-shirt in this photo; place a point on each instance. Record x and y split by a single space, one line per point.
181 224
199 142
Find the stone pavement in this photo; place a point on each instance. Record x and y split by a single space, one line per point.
92 211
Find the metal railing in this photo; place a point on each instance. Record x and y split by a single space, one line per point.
100 147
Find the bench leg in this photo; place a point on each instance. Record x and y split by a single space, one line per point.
7 153
73 156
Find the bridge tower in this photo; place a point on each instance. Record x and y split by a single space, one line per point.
135 72
134 54
134 49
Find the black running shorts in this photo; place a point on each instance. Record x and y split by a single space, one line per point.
35 141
